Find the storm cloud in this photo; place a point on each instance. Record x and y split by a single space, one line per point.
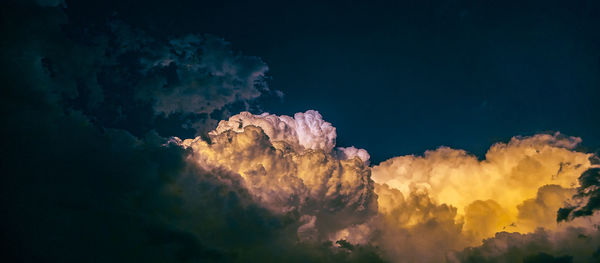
77 186
112 153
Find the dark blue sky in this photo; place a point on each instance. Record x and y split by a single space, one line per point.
403 77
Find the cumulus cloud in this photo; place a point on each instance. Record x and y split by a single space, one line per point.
541 210
76 188
414 227
328 192
448 200
304 131
577 242
429 208
510 174
352 152
85 177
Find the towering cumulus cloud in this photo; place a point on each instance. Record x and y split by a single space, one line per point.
443 206
85 177
305 131
542 167
91 170
448 200
289 165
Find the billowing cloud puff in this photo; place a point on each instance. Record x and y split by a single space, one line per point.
448 200
351 152
414 227
328 192
541 210
511 173
305 130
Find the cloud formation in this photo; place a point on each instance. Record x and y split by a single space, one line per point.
587 200
304 131
86 178
290 168
577 242
78 188
127 79
518 187
510 173
193 74
429 208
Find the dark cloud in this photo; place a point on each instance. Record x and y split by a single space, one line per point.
120 77
193 74
543 257
587 199
569 245
79 185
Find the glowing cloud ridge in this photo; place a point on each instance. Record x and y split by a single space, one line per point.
415 208
289 166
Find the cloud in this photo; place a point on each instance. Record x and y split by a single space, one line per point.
304 131
587 200
510 174
76 188
448 200
123 78
568 243
414 227
197 74
541 211
329 193
346 153
85 176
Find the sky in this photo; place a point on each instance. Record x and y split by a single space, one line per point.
248 131
463 74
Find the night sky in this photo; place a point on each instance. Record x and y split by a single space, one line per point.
463 74
300 131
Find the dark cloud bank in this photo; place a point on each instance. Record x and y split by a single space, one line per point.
88 174
82 182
